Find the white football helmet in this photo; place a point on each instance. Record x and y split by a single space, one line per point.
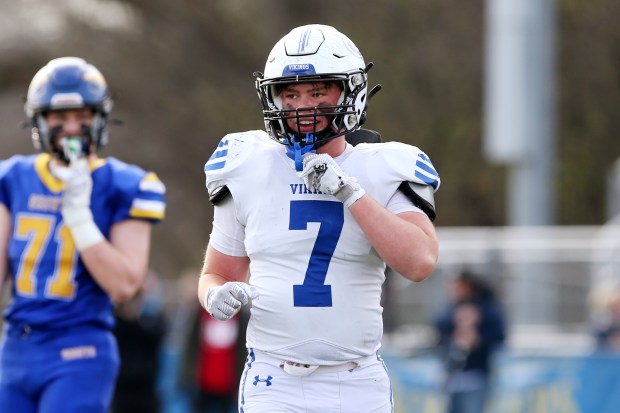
314 53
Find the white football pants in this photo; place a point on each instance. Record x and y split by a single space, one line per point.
359 387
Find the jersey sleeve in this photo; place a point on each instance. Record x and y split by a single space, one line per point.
399 203
228 234
4 194
223 172
149 202
139 194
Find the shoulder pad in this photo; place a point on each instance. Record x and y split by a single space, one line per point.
409 163
228 155
7 164
414 170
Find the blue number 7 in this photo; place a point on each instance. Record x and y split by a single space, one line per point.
313 292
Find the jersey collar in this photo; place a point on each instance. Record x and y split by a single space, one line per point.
50 181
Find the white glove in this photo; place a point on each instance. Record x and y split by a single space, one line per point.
75 207
322 173
224 302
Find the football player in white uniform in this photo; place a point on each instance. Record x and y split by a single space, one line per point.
314 220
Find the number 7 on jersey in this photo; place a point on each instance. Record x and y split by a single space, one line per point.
313 292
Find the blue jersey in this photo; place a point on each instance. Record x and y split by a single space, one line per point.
51 286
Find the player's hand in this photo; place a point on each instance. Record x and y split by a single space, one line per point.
224 302
322 173
75 206
78 182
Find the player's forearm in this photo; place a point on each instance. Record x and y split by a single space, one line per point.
219 268
407 243
207 281
120 275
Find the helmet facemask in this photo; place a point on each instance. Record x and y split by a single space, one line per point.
67 148
46 140
310 54
346 116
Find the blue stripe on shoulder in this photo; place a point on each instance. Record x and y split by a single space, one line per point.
214 166
425 171
215 161
219 154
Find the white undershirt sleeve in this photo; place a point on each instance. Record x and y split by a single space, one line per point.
399 203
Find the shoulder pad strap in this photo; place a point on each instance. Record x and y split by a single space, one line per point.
363 136
219 194
422 196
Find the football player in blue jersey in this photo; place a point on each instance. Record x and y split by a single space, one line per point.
74 239
314 220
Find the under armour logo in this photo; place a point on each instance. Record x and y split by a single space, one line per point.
267 381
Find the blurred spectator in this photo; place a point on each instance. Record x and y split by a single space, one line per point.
140 329
180 303
470 330
214 357
605 306
205 356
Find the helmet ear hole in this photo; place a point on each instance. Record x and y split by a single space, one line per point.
36 140
40 135
350 121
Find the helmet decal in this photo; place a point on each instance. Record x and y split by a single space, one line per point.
309 42
299 69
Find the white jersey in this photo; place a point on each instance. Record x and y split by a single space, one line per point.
318 278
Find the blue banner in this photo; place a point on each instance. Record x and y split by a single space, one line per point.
521 384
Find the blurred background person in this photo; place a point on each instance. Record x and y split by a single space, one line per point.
140 330
75 233
213 360
181 307
604 301
470 330
202 359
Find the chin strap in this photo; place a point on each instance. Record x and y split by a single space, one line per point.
295 151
